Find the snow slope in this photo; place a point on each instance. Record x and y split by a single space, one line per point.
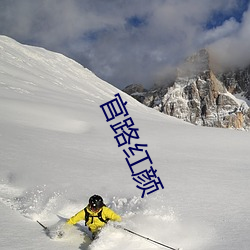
57 149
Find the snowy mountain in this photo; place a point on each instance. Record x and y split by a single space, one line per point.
237 81
201 95
57 149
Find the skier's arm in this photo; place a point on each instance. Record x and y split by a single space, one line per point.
110 214
77 217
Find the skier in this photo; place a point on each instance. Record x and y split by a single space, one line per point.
95 214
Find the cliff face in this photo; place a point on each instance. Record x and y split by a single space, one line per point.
237 81
201 97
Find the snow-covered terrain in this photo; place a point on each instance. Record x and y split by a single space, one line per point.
57 149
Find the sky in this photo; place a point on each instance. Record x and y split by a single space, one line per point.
132 41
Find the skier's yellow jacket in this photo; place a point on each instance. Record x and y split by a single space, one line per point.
94 223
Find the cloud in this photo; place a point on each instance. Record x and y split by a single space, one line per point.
123 42
228 28
233 49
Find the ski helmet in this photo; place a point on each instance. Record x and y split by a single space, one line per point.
96 202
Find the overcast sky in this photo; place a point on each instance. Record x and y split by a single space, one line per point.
131 41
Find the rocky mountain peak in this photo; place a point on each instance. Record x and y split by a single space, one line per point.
196 64
202 97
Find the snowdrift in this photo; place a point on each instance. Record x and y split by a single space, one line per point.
57 149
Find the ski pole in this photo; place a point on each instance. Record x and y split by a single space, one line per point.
150 239
45 228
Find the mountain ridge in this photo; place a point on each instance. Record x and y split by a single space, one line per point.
201 95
